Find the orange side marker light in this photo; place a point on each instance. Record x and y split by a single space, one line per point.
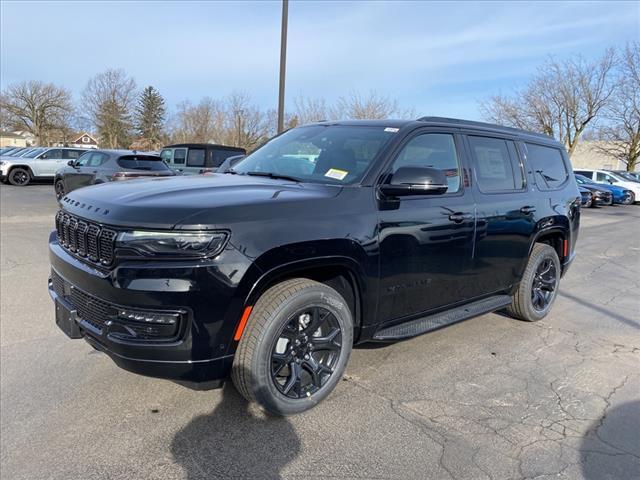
243 323
566 248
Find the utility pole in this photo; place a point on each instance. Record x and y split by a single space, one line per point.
283 61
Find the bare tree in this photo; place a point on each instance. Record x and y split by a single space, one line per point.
561 100
247 125
620 135
109 98
204 122
371 106
308 110
35 107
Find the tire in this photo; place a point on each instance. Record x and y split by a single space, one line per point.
631 199
589 204
610 202
19 177
526 303
58 187
268 361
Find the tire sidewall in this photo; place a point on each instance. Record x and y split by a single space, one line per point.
55 188
536 260
264 390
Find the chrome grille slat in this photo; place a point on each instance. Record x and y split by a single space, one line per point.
86 239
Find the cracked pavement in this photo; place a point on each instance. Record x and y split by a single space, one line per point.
489 398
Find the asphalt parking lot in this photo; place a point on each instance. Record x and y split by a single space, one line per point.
488 398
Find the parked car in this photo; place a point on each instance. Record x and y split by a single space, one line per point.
270 273
7 150
618 194
633 176
36 163
16 151
100 166
586 196
605 177
193 158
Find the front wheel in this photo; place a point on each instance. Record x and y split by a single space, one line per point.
295 347
630 199
539 285
59 188
19 177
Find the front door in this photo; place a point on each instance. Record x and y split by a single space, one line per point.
426 242
48 162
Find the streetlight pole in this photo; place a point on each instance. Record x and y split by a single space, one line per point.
283 61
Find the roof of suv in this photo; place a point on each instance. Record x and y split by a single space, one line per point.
444 121
203 145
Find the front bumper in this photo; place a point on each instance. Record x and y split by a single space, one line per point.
199 355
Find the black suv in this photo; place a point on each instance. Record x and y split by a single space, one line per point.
330 234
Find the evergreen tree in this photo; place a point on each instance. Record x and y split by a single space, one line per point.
150 116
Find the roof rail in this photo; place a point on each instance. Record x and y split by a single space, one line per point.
473 123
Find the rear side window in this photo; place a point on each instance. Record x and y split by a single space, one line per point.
195 157
219 156
496 164
72 154
548 166
179 155
142 162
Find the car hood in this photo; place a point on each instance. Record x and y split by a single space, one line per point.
194 201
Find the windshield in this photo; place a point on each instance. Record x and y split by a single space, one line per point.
628 176
338 154
16 152
32 153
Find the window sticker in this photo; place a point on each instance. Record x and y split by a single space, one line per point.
391 129
336 173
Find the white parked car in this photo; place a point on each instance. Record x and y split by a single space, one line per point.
611 178
40 162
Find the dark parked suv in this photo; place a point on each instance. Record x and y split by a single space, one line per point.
330 234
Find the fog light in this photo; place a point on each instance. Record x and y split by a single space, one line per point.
148 317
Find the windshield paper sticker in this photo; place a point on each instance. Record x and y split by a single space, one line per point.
336 173
391 129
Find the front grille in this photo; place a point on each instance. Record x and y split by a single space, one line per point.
86 239
89 308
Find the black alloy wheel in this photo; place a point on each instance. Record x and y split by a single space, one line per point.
305 353
544 285
19 177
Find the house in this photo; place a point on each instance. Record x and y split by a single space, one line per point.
29 137
10 139
587 155
82 140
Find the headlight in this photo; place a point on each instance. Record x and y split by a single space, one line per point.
184 244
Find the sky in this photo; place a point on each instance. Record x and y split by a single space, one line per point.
437 58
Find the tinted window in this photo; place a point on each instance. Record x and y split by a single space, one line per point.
434 150
195 157
142 162
548 166
92 159
495 164
179 155
55 154
219 156
72 154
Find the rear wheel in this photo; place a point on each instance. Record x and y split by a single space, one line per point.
59 188
538 286
295 347
19 177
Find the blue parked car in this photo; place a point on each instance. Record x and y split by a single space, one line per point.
620 195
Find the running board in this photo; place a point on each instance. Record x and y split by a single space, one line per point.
438 320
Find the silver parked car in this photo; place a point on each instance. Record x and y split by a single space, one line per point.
36 163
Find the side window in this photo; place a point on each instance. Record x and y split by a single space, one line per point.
195 157
435 150
71 154
97 159
495 163
548 166
55 154
179 154
84 159
166 155
603 177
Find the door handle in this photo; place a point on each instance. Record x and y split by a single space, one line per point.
459 217
528 209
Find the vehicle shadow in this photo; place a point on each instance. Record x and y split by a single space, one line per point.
603 310
235 440
611 449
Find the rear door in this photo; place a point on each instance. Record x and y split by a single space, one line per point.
505 212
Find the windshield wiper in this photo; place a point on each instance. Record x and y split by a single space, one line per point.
274 175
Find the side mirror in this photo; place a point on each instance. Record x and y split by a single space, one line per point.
415 181
71 163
